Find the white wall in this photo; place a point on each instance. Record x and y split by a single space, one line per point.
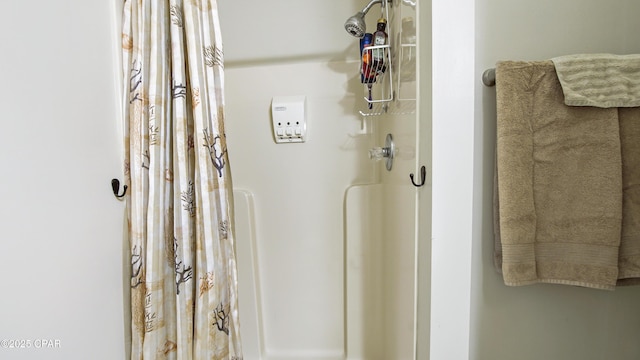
453 168
59 149
542 321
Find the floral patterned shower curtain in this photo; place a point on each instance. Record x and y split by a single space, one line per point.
179 203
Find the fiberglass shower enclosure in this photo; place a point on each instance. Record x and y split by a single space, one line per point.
329 267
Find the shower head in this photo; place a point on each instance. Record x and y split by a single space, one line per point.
355 25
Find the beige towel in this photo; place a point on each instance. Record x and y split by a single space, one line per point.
606 80
629 259
601 80
559 182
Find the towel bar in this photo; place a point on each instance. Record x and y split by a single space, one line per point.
489 77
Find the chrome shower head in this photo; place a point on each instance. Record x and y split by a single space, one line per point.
356 25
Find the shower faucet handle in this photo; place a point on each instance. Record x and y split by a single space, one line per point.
379 153
386 152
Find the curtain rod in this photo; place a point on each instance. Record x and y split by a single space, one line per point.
489 77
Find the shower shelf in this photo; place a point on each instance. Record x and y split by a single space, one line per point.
395 107
376 78
394 90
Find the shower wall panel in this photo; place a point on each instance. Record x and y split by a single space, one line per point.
380 272
298 197
259 32
379 300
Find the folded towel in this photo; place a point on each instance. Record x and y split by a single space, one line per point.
559 182
607 80
629 258
601 80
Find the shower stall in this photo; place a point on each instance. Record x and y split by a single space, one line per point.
327 229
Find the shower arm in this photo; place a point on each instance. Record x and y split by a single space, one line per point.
384 3
370 4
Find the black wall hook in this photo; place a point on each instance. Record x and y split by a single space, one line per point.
115 185
423 177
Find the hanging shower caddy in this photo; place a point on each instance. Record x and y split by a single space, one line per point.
379 89
392 87
376 76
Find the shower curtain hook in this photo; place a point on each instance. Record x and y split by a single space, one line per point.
115 185
423 177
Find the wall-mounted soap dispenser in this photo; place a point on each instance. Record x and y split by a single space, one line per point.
289 119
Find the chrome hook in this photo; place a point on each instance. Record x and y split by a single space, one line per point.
115 185
423 177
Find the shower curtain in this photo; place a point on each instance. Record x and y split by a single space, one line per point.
179 203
